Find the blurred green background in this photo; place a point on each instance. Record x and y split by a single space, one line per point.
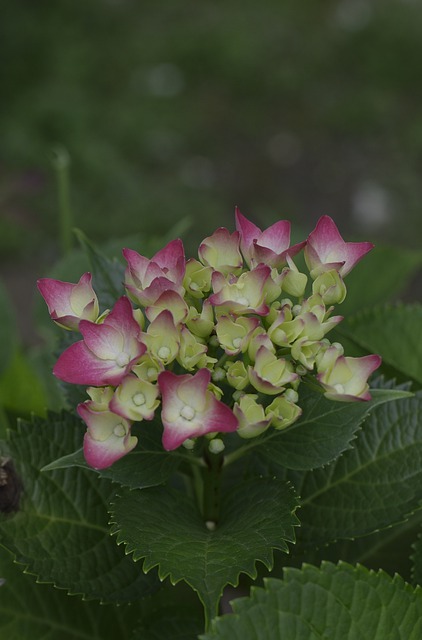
173 110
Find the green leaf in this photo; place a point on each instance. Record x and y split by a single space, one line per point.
31 611
8 332
324 431
394 332
416 559
173 613
331 602
107 275
147 466
172 622
61 532
164 527
372 486
389 549
381 276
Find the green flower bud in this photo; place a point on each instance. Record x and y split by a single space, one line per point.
216 446
251 416
330 287
237 375
282 412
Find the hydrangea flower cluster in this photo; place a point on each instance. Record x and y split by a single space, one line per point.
219 344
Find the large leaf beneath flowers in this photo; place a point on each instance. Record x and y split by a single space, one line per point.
31 611
331 602
416 559
174 613
146 466
375 485
324 431
164 527
394 332
61 532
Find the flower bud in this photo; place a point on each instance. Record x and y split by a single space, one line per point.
251 416
292 281
330 286
283 412
216 446
237 375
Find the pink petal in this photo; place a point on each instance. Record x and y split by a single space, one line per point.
67 303
137 264
191 392
172 258
121 318
149 295
102 447
56 295
78 365
326 248
248 232
276 237
104 341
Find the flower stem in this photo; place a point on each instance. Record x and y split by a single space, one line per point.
212 488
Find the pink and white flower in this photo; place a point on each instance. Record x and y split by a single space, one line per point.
251 416
243 294
221 251
108 436
234 333
107 352
270 374
146 280
163 338
173 302
325 249
346 379
135 399
190 409
271 246
70 303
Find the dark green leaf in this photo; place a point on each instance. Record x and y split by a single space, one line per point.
331 602
173 613
147 466
394 332
382 275
61 532
164 527
31 611
324 431
107 275
417 561
372 486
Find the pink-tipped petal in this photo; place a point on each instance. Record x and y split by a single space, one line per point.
171 259
108 351
221 251
276 237
326 249
346 380
68 303
249 232
189 408
108 437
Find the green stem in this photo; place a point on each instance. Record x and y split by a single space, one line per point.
198 486
212 488
61 164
